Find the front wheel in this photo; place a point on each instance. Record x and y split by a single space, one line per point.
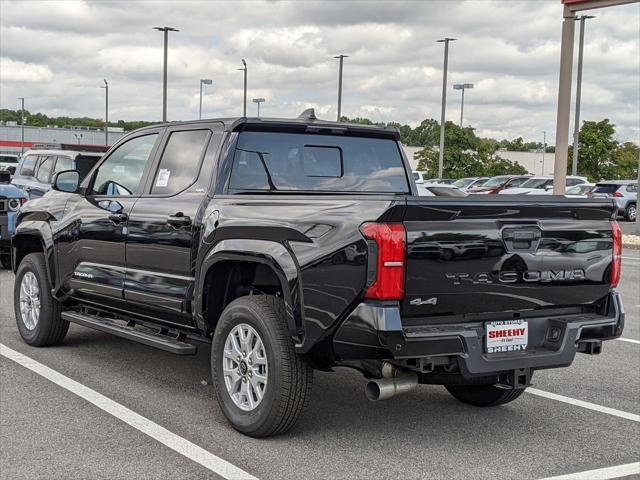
483 395
37 312
261 384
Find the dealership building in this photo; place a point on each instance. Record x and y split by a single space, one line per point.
11 136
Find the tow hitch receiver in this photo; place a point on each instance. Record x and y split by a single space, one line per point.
590 347
514 379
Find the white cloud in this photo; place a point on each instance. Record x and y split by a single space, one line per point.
56 53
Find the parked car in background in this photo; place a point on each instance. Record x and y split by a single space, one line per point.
579 191
444 181
541 185
417 177
470 182
439 190
9 162
37 168
11 199
625 194
500 182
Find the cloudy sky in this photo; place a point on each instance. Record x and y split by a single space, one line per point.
57 53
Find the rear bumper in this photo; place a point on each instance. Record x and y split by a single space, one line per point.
376 332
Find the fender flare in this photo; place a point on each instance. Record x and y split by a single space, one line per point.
42 231
277 256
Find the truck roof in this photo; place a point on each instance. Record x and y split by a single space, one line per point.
306 120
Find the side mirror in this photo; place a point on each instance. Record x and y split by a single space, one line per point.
548 187
67 181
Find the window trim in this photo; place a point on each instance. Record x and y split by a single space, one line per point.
90 178
148 186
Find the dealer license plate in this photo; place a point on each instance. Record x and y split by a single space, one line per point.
507 336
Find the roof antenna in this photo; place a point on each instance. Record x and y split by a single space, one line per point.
308 114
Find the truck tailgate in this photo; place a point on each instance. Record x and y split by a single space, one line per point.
490 255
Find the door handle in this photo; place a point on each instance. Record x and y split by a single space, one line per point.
118 217
179 220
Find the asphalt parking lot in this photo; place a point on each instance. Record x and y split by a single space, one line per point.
158 404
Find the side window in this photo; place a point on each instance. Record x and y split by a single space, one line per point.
121 173
44 170
28 166
180 161
632 188
62 164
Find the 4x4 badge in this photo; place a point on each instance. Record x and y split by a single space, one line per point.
428 301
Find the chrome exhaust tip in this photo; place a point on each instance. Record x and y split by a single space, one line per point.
385 388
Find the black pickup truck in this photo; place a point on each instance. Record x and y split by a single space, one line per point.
294 245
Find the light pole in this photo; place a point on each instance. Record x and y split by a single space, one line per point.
258 101
341 57
244 103
203 81
22 124
576 127
446 41
106 112
544 148
166 31
463 87
78 137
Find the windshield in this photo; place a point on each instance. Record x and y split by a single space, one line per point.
578 189
8 159
310 162
536 183
463 182
496 182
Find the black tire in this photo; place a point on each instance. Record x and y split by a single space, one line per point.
483 395
5 261
50 329
631 212
289 377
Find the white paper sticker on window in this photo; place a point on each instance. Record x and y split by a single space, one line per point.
163 177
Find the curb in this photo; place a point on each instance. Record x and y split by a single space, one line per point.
631 241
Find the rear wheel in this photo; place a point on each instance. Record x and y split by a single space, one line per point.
261 384
483 395
631 212
37 312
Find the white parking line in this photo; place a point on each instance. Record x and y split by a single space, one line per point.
583 404
601 473
184 447
630 340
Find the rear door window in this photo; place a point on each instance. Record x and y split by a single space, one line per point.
275 161
180 162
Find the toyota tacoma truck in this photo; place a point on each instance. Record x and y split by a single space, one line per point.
300 245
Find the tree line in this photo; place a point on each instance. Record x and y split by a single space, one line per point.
600 155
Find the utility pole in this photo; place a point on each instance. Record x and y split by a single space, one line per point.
22 124
463 87
106 112
166 31
576 127
544 148
341 58
244 103
446 41
203 81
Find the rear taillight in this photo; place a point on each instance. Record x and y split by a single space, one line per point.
616 265
390 239
616 194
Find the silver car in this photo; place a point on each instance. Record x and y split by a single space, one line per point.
625 194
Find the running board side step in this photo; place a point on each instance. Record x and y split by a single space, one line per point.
141 334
